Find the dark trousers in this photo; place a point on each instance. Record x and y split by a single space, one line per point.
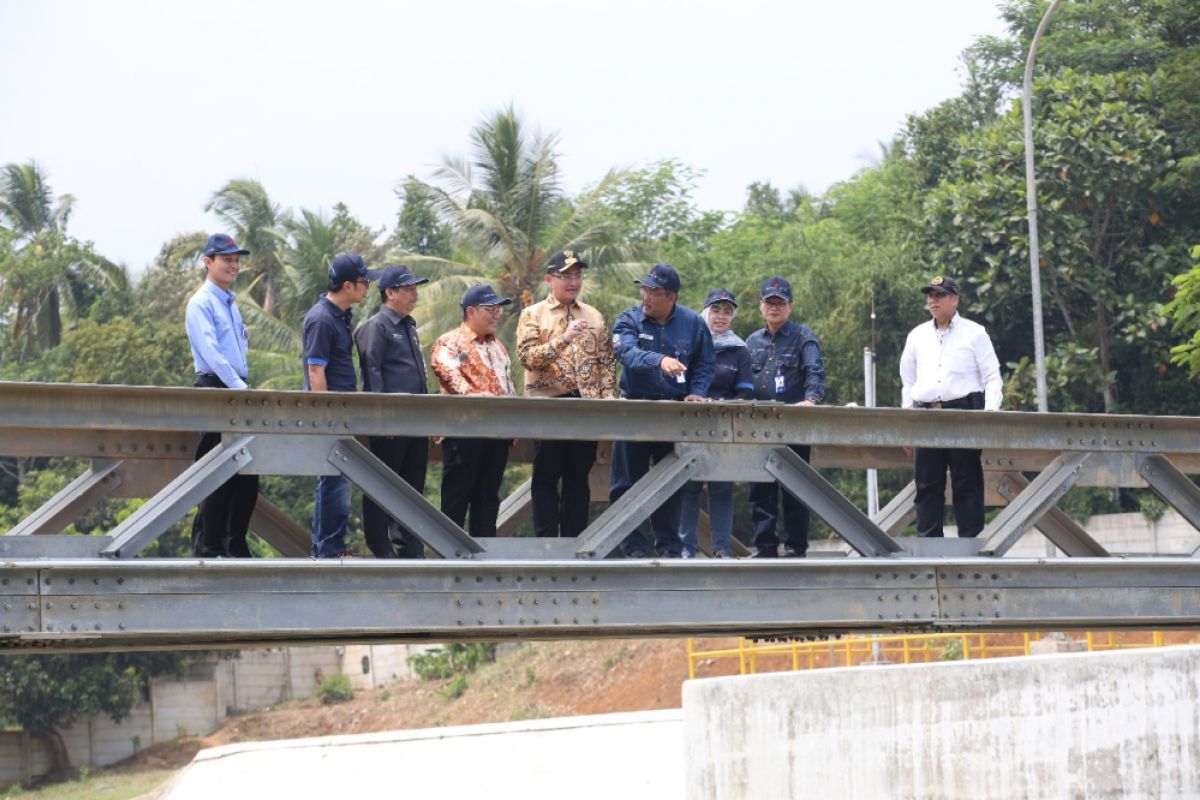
407 456
223 518
966 477
630 461
764 513
472 470
565 512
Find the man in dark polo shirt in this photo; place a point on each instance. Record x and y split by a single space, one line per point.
389 357
786 361
329 367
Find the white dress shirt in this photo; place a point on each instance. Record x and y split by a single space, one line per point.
943 365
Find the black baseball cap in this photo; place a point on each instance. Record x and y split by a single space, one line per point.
350 267
483 295
662 276
777 287
941 284
222 244
720 296
397 276
563 260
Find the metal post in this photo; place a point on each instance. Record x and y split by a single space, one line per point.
869 401
1035 278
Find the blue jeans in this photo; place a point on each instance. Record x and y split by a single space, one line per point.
330 514
630 461
720 515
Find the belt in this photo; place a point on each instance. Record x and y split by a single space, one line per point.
967 402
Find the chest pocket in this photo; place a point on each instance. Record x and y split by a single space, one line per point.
681 349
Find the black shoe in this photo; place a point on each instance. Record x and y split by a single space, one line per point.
769 553
637 554
670 554
791 552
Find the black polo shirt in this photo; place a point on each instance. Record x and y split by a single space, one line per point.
389 354
328 343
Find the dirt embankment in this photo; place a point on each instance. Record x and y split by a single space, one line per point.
527 681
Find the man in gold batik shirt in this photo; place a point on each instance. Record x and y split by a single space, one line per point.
565 348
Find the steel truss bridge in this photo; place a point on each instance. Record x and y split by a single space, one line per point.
63 592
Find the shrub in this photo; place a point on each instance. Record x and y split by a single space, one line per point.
335 689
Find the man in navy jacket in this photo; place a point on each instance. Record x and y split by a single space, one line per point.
667 354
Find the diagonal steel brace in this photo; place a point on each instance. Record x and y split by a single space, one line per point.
807 485
401 501
97 483
166 508
1015 519
632 508
1173 486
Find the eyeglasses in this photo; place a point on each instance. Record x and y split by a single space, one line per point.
495 311
569 277
775 302
364 281
657 294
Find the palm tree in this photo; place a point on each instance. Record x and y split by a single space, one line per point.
259 225
48 271
509 213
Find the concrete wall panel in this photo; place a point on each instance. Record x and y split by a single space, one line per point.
1100 725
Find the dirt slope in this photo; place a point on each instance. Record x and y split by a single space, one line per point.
528 681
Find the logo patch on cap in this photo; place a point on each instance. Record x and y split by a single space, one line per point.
938 281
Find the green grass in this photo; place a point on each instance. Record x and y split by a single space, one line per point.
124 786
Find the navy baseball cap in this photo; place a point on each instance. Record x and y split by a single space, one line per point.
563 260
662 276
483 295
942 285
222 244
397 276
777 287
350 267
720 296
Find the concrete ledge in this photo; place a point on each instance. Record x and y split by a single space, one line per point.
604 756
1102 725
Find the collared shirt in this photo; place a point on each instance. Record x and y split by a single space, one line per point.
469 364
389 354
328 343
787 365
553 366
641 344
942 365
217 335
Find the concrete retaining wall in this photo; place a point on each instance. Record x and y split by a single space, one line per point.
200 702
1102 725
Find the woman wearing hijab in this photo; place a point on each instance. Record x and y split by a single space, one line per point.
733 381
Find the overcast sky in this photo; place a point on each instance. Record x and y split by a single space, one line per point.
143 109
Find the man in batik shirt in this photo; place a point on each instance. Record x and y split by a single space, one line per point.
565 348
470 360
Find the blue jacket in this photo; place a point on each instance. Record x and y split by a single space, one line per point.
734 379
641 344
788 366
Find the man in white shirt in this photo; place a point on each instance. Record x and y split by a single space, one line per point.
949 363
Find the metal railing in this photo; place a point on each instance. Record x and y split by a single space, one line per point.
851 651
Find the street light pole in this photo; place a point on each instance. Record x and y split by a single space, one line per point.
1035 277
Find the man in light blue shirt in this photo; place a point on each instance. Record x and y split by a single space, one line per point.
218 339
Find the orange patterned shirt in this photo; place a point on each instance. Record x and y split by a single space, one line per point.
467 364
